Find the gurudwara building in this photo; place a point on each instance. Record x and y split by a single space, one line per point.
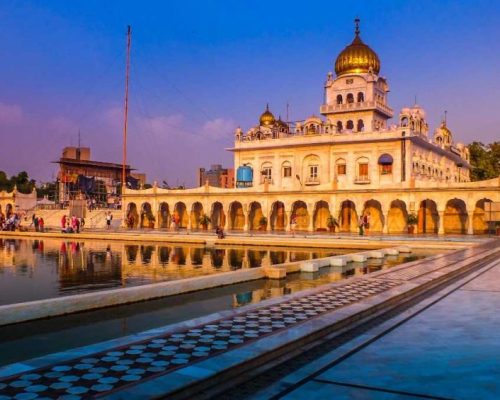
345 162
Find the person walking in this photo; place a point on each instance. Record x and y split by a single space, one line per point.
109 218
36 222
41 224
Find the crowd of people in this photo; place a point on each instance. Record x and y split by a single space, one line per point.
72 224
10 222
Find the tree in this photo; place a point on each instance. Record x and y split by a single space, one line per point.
484 160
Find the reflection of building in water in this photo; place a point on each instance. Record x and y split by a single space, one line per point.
22 254
81 264
175 262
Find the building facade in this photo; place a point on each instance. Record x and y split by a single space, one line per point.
346 162
79 175
216 176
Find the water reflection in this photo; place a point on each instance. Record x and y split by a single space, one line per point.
304 280
37 269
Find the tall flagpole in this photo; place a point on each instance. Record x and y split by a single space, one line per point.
125 122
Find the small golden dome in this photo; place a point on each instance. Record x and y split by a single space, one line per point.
267 117
357 57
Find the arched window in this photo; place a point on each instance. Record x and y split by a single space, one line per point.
340 128
286 169
361 125
361 97
349 125
404 122
350 98
362 172
341 167
266 172
311 170
385 162
339 99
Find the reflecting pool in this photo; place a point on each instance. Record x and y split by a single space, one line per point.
32 339
39 269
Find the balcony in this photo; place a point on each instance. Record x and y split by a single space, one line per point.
312 180
365 105
362 180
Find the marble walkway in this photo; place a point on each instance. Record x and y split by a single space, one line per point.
165 360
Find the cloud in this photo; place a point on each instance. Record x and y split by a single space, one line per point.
218 128
10 114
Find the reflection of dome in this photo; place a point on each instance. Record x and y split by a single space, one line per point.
267 117
357 57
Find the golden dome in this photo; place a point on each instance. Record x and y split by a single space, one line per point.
357 57
267 117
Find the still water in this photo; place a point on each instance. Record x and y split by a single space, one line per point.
31 339
39 269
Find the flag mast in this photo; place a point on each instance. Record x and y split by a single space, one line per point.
125 122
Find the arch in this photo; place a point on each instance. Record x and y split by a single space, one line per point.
321 214
236 216
180 213
373 209
397 217
480 217
428 217
146 254
455 217
286 169
349 125
311 169
341 166
278 216
299 211
363 169
163 255
385 162
404 122
349 98
266 171
360 127
132 216
348 217
339 99
218 217
361 97
340 127
147 217
164 216
255 215
196 214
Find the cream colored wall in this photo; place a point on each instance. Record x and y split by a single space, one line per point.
440 194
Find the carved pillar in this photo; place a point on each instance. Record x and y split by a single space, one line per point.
246 224
287 224
385 221
441 223
470 223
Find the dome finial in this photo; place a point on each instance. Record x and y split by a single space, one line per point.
356 24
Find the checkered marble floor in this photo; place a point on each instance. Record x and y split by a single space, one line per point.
111 370
116 369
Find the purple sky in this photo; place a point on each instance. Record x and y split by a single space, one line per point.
199 69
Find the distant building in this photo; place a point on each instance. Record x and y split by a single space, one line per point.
216 176
79 175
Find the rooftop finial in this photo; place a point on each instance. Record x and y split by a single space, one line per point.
445 114
356 23
267 106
